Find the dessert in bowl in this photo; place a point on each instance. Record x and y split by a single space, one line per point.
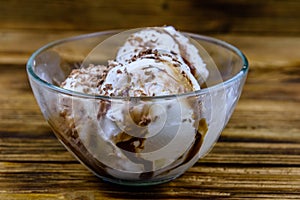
138 107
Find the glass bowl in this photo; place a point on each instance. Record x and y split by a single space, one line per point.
106 134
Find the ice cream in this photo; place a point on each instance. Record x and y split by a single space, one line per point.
138 138
149 73
169 40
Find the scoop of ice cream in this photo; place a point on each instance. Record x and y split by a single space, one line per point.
169 40
150 73
82 116
86 80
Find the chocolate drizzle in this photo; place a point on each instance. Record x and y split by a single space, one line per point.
129 143
199 137
131 148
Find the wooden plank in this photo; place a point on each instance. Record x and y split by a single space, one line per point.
262 52
201 181
257 17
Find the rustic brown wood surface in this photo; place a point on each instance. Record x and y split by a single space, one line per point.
258 153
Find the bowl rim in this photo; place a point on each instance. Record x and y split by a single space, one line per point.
242 73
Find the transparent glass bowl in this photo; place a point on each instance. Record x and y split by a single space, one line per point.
184 127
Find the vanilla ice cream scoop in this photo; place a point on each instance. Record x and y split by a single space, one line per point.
169 40
150 73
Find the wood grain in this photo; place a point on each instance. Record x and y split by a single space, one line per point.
258 153
280 17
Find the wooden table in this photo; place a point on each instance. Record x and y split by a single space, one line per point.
258 153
